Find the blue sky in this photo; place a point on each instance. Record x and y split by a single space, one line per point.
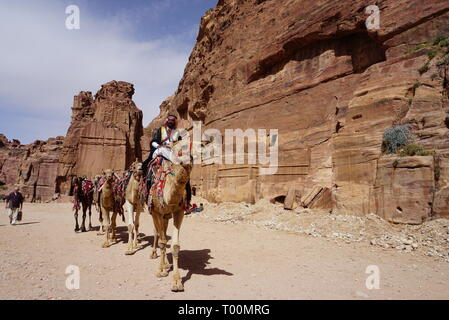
43 64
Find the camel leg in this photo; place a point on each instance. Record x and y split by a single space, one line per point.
130 214
155 244
113 226
167 265
122 213
106 244
136 230
77 228
159 225
177 282
101 230
90 217
83 224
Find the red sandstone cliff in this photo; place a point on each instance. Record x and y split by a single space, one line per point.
313 70
104 133
33 167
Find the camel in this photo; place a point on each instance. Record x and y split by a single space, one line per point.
97 179
107 204
166 206
133 206
85 197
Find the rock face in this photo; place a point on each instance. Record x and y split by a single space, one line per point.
403 191
34 167
105 133
331 87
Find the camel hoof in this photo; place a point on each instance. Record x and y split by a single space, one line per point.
167 266
83 229
177 287
105 245
162 274
100 233
77 229
129 252
153 255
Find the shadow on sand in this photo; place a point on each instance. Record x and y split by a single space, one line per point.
19 224
195 262
121 236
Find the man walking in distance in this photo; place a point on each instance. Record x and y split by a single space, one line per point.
14 202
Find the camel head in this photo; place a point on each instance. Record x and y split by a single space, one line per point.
181 152
182 172
174 189
137 169
109 175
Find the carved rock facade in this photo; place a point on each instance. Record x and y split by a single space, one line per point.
331 87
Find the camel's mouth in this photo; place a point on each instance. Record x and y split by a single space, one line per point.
138 174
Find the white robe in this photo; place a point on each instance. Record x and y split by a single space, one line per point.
162 149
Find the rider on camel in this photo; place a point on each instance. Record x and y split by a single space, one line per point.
163 139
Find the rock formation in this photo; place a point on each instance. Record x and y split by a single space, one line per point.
331 87
104 133
33 167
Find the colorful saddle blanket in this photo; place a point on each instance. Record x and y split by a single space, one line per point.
119 188
87 186
156 178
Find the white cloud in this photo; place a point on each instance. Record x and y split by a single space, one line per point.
43 65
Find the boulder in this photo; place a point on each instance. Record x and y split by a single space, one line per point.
404 187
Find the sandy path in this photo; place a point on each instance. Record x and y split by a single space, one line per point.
218 261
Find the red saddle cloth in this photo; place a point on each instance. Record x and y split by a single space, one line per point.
87 186
157 174
119 188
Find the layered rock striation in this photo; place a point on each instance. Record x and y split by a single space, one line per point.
33 167
332 88
104 133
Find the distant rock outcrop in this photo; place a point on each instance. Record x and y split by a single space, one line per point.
105 132
331 87
33 167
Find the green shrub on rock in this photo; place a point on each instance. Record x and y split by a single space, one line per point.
413 150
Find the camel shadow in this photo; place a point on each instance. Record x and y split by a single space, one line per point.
150 239
195 262
122 236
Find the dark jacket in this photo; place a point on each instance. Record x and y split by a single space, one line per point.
14 200
157 137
